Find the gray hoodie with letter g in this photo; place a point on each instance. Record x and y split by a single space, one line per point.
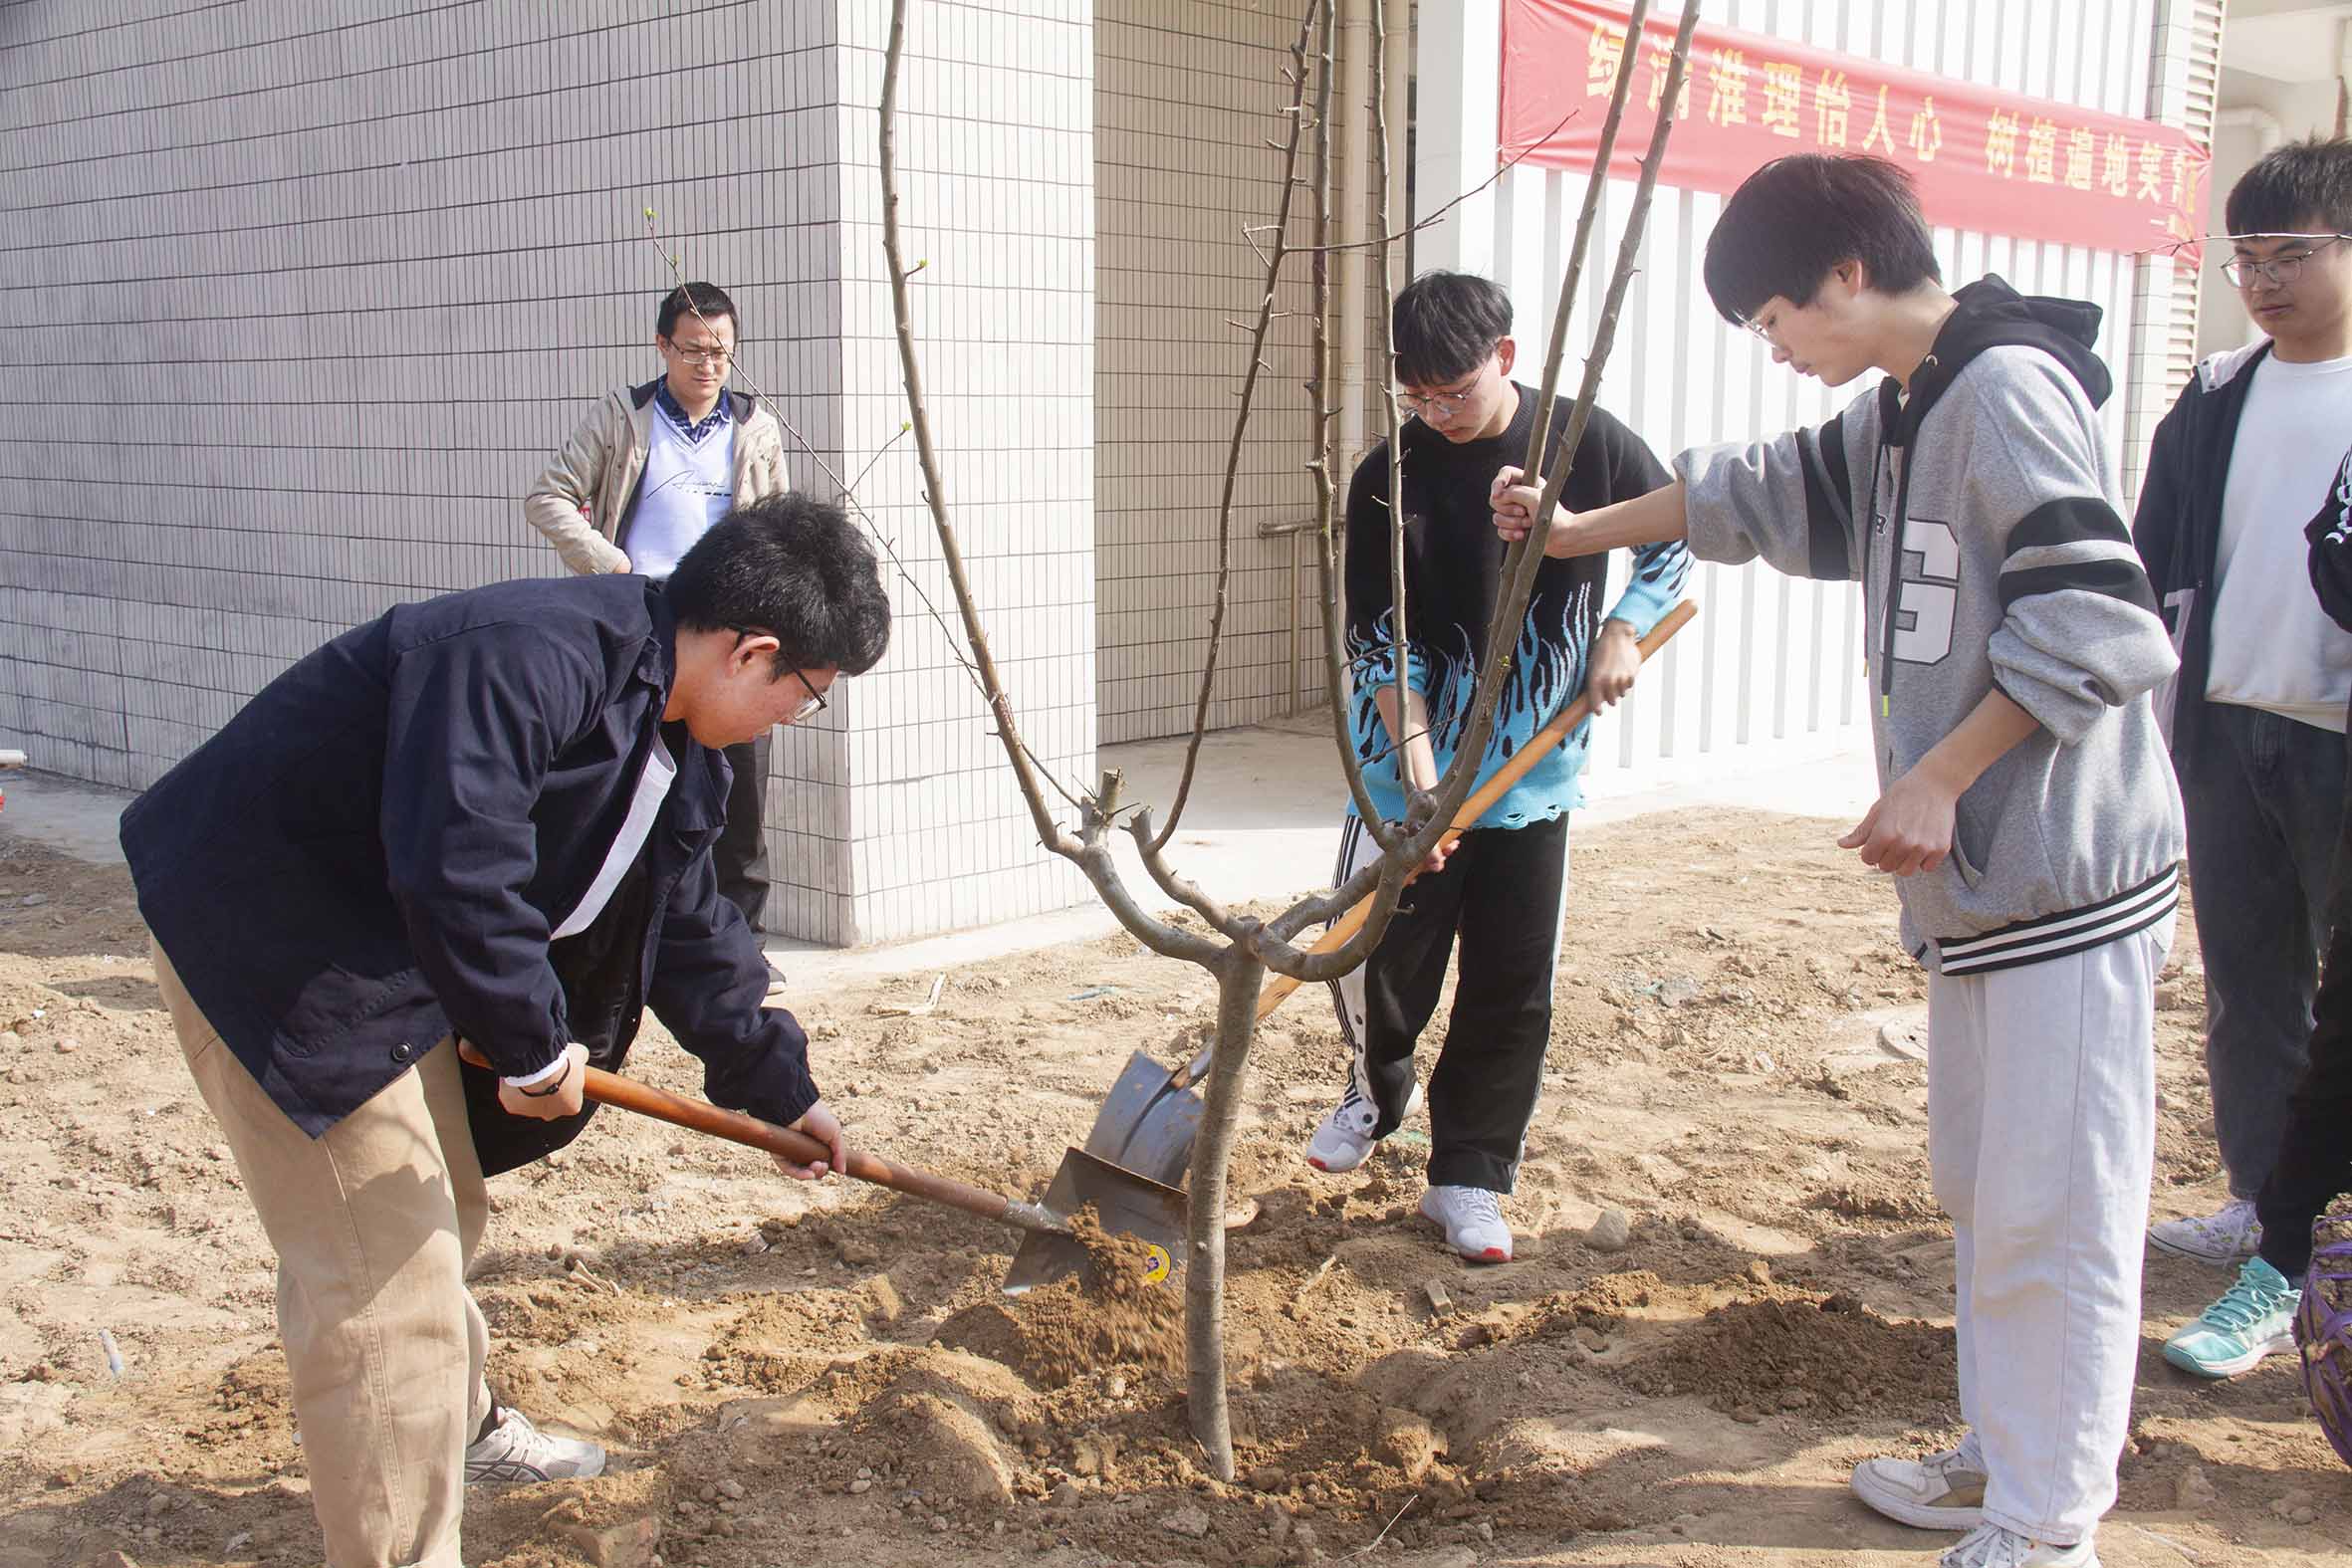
1978 518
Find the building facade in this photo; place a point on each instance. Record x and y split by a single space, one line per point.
302 297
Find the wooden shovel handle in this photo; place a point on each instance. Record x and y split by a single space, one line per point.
611 1088
1563 724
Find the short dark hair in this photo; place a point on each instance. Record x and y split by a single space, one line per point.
1445 325
692 299
794 565
2290 185
1792 222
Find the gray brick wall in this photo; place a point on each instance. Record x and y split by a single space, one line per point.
300 294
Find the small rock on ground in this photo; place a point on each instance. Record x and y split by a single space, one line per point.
1189 1522
628 1546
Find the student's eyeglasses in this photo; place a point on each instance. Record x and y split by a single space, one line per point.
1425 403
2280 270
1762 330
814 705
699 357
1449 402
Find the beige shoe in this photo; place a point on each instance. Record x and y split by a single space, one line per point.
1942 1491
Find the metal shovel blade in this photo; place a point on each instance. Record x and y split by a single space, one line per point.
1125 1202
1147 1125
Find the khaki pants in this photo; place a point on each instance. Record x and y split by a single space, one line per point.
374 1224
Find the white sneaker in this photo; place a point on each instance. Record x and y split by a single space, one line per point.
1473 1218
1942 1491
1344 1140
516 1451
2222 1238
1991 1546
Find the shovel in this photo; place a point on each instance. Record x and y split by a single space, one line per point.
1150 1118
1151 1213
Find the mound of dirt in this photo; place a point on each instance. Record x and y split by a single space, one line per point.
1815 1354
256 1397
938 1434
1887 1196
1601 1305
1112 1315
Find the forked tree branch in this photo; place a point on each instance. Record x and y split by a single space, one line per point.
1400 633
1520 561
1267 314
1604 332
1522 558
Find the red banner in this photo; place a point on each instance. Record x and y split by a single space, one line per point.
1990 162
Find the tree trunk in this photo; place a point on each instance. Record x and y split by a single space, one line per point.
1239 978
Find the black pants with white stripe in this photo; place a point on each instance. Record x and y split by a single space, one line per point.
1500 893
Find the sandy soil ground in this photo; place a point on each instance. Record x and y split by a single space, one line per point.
791 1374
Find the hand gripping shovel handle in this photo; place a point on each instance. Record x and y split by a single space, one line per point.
611 1088
1540 744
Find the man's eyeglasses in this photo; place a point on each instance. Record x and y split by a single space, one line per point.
701 356
809 709
2280 270
814 705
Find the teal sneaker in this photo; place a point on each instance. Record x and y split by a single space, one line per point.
2253 1318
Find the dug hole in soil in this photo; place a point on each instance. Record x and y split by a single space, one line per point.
797 1373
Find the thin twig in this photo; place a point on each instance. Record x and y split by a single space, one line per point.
2168 1541
1384 239
879 453
1392 1518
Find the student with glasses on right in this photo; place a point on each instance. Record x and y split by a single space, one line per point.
2258 712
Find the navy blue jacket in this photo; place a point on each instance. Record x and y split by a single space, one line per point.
374 852
2177 527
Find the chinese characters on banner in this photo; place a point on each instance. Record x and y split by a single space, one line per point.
1990 162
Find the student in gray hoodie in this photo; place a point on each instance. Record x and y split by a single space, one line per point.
2026 804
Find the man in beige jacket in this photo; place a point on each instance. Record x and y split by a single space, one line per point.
647 472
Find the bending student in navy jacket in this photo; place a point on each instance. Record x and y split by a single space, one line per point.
488 817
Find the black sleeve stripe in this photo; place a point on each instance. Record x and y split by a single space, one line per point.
2069 520
2119 579
1828 503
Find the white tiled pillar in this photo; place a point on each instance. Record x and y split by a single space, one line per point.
1458 83
996 162
1187 94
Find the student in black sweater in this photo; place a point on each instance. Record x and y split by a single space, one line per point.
1501 888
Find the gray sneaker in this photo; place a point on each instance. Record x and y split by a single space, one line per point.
516 1451
1941 1491
2222 1238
